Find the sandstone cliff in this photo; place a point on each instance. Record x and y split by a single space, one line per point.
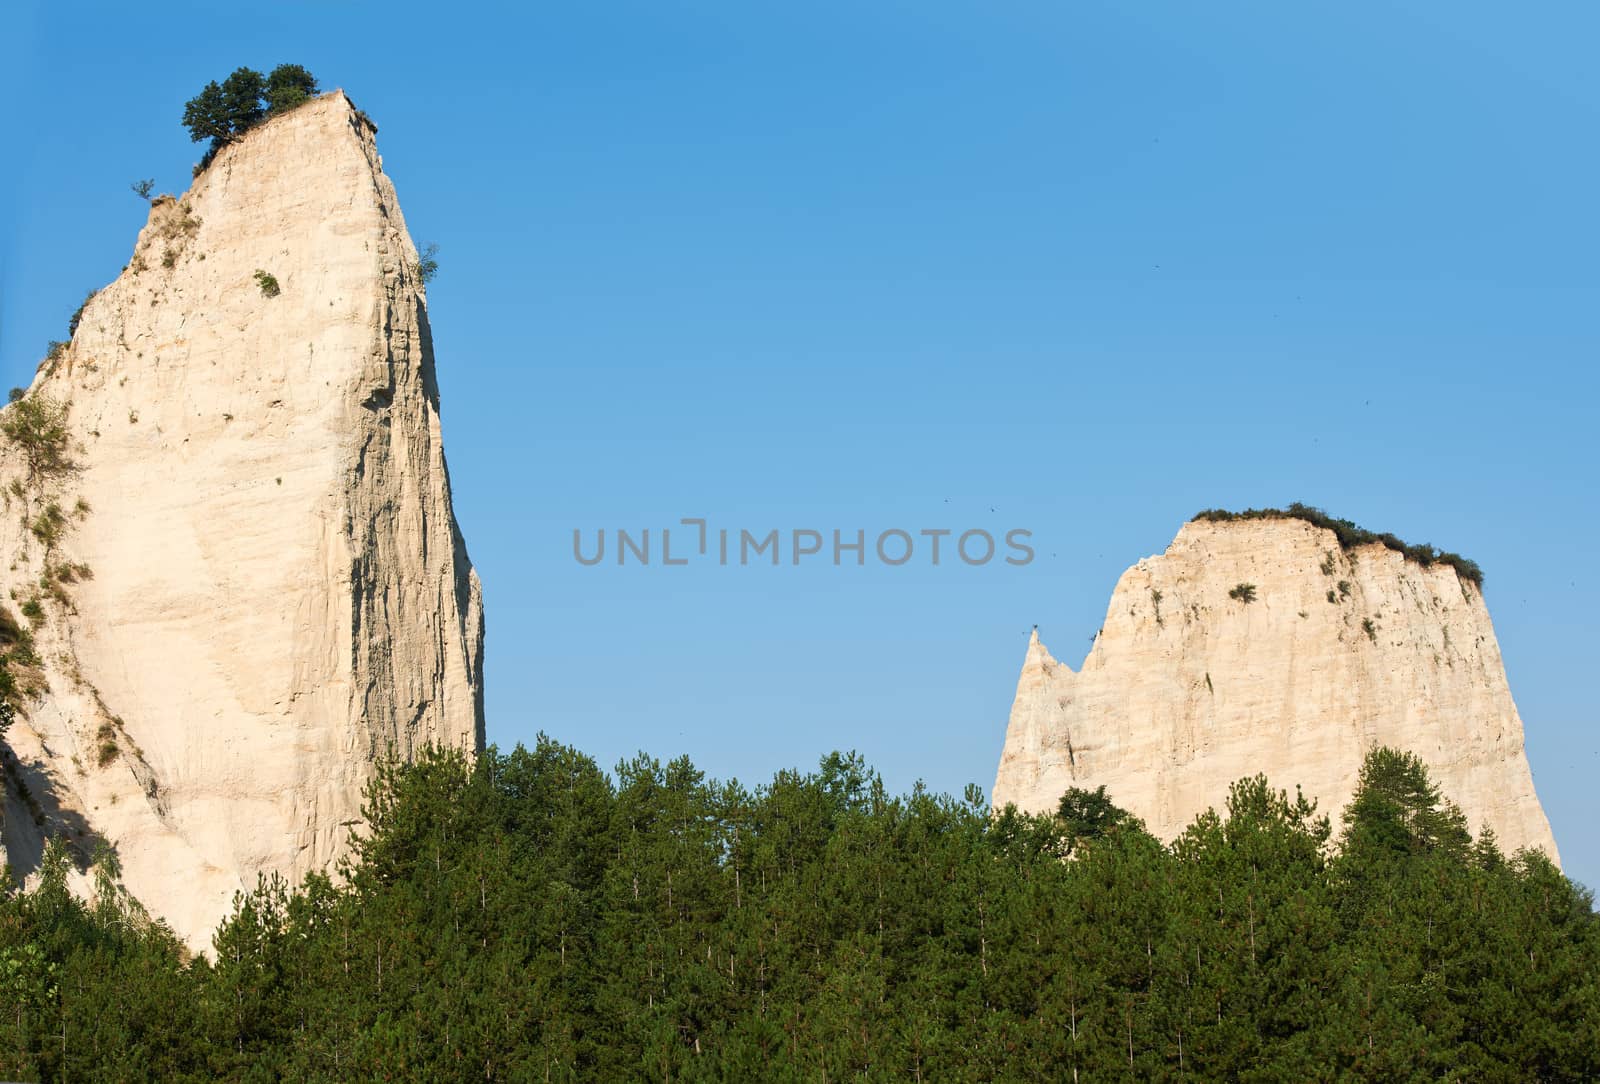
245 581
1187 689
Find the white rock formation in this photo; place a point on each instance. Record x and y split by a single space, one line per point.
1186 689
279 591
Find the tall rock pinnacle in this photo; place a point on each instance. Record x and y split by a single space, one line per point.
1194 682
254 586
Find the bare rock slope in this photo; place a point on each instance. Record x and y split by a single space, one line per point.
242 582
1188 687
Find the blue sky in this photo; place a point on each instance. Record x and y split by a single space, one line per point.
1093 265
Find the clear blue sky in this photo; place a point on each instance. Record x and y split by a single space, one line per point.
1094 265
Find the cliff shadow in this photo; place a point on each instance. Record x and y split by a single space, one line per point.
33 814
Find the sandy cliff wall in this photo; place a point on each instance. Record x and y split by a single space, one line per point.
273 588
1187 689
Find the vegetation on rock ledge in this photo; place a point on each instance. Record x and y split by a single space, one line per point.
224 112
268 283
1350 536
38 425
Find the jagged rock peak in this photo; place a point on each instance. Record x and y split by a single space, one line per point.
254 586
1262 644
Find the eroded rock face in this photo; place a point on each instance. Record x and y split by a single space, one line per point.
279 592
1188 689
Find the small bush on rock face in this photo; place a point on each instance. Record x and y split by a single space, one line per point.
1243 592
268 284
77 317
49 525
11 633
38 426
106 736
427 264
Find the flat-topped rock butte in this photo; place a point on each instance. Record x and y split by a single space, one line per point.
1187 689
265 587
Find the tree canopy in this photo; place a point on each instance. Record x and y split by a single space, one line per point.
525 915
224 112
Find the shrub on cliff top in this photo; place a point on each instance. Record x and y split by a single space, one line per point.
77 314
1350 536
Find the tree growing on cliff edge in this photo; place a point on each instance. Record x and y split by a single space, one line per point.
205 116
287 87
222 112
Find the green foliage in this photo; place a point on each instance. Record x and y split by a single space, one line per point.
288 86
1350 536
8 703
16 646
223 112
38 425
268 284
49 525
106 744
525 916
242 92
1370 629
1398 808
33 609
427 264
1089 815
1243 592
143 188
77 314
205 116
